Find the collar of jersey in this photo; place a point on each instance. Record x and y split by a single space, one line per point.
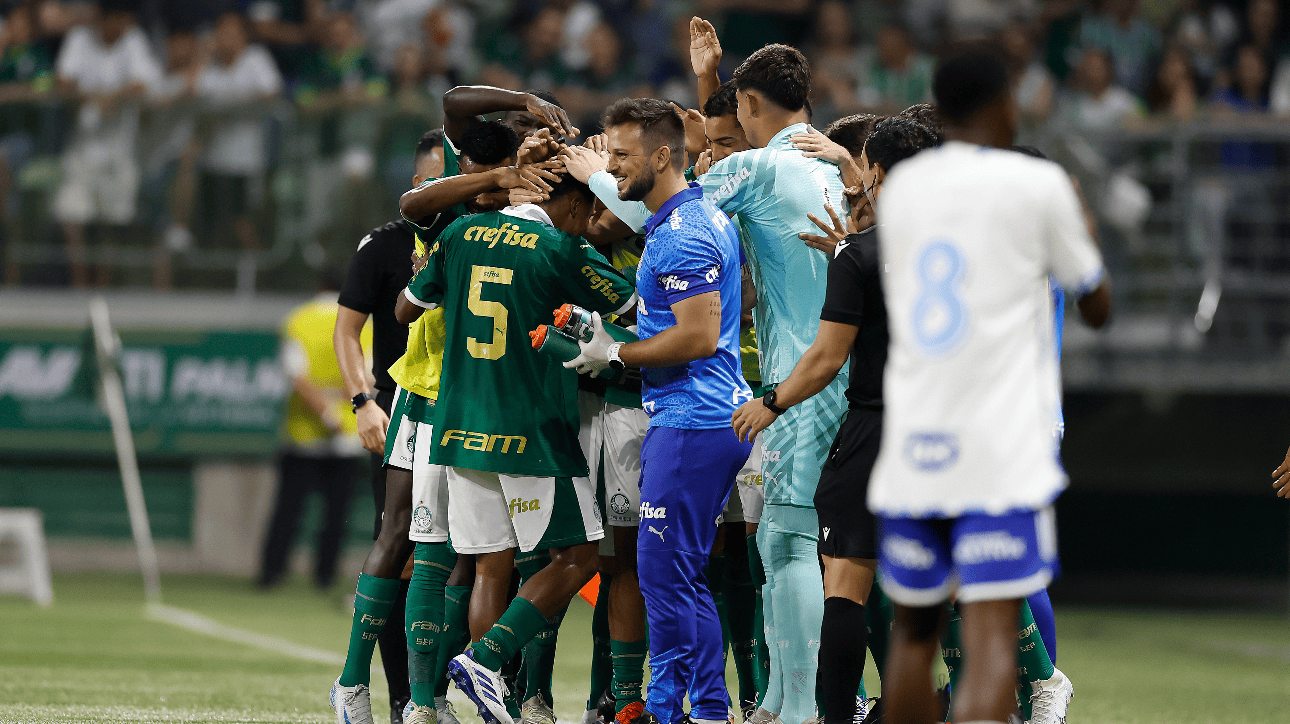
693 193
530 212
781 138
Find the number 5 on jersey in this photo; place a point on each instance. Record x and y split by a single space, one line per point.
480 275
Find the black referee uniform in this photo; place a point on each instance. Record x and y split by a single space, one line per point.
854 297
378 273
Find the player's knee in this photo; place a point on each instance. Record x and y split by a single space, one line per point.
581 561
919 624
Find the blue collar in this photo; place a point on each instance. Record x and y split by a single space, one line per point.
693 193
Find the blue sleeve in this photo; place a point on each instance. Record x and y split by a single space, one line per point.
690 265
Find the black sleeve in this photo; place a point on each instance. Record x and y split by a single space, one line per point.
362 287
844 296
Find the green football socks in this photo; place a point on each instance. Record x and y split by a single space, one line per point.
520 623
431 565
539 654
952 645
455 634
602 667
373 600
1033 662
629 671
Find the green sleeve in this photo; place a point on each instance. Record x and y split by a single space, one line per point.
426 287
591 282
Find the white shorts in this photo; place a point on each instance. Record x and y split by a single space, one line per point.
429 492
98 185
400 453
490 512
746 500
622 430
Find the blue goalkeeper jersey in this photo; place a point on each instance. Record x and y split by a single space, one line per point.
691 248
772 189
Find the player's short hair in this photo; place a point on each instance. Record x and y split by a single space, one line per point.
895 139
852 131
926 114
659 122
779 71
428 143
489 142
722 102
545 95
570 185
967 81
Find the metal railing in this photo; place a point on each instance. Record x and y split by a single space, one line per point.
327 172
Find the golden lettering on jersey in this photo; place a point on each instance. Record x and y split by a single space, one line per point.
484 442
506 234
600 284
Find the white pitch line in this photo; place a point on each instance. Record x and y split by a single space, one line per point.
202 625
1252 650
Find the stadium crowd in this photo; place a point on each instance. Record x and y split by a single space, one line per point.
171 113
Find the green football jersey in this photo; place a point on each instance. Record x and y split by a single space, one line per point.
503 406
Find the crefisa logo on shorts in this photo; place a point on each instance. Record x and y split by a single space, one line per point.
650 512
620 504
931 452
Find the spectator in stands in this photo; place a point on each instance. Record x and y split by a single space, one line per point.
1032 82
341 71
1206 30
107 67
750 24
530 58
1262 29
237 82
1248 92
1094 102
580 18
605 79
835 59
290 29
894 74
416 109
170 163
1175 87
448 35
26 74
1129 39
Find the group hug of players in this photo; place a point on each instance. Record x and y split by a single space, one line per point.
752 482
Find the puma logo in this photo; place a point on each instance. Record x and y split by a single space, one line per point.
659 533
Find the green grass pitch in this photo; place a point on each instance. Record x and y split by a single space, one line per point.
95 657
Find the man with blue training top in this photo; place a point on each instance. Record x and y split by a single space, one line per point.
690 290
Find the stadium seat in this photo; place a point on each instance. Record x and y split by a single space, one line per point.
29 576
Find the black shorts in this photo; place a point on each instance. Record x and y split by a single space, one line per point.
384 399
847 528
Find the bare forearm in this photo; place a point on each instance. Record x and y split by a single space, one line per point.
708 83
465 103
315 397
349 351
672 346
813 373
443 194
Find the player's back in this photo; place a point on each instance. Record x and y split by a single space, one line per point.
968 236
503 406
772 189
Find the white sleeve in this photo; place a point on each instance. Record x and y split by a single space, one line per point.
1073 258
632 213
71 57
144 67
267 79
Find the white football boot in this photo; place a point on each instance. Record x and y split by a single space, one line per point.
1050 698
353 704
482 686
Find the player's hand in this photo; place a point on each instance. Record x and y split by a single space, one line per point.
538 147
696 140
372 423
598 143
703 163
553 116
533 176
705 48
814 144
1282 475
751 418
595 354
832 234
582 162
